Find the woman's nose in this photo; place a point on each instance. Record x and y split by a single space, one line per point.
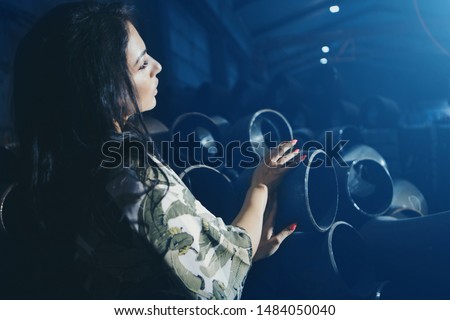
156 68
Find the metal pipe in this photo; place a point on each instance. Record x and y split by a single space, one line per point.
408 201
308 195
410 249
331 265
264 129
365 185
196 136
213 189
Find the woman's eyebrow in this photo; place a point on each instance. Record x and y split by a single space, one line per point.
140 56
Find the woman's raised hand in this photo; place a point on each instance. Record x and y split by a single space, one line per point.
276 163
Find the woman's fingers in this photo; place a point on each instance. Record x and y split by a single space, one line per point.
269 247
280 237
284 159
281 150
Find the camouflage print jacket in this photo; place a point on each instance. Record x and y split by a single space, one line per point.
162 244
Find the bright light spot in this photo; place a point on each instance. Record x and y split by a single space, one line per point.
334 9
325 49
324 61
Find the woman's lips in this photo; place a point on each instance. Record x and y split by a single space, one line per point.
156 87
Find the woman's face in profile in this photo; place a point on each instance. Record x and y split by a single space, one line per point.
143 70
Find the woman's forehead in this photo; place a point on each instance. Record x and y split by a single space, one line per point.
135 44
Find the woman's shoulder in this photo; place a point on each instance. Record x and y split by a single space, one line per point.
158 171
137 178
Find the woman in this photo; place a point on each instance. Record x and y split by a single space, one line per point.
130 232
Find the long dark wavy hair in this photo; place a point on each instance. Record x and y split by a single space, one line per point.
72 90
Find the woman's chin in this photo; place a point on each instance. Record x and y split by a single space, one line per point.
148 108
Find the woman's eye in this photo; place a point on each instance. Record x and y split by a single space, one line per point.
144 65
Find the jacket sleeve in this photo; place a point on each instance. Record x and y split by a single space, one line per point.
208 259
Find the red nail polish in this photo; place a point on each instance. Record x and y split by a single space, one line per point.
296 150
292 227
303 157
294 141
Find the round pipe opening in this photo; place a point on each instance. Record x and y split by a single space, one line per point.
321 190
268 128
370 187
349 259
